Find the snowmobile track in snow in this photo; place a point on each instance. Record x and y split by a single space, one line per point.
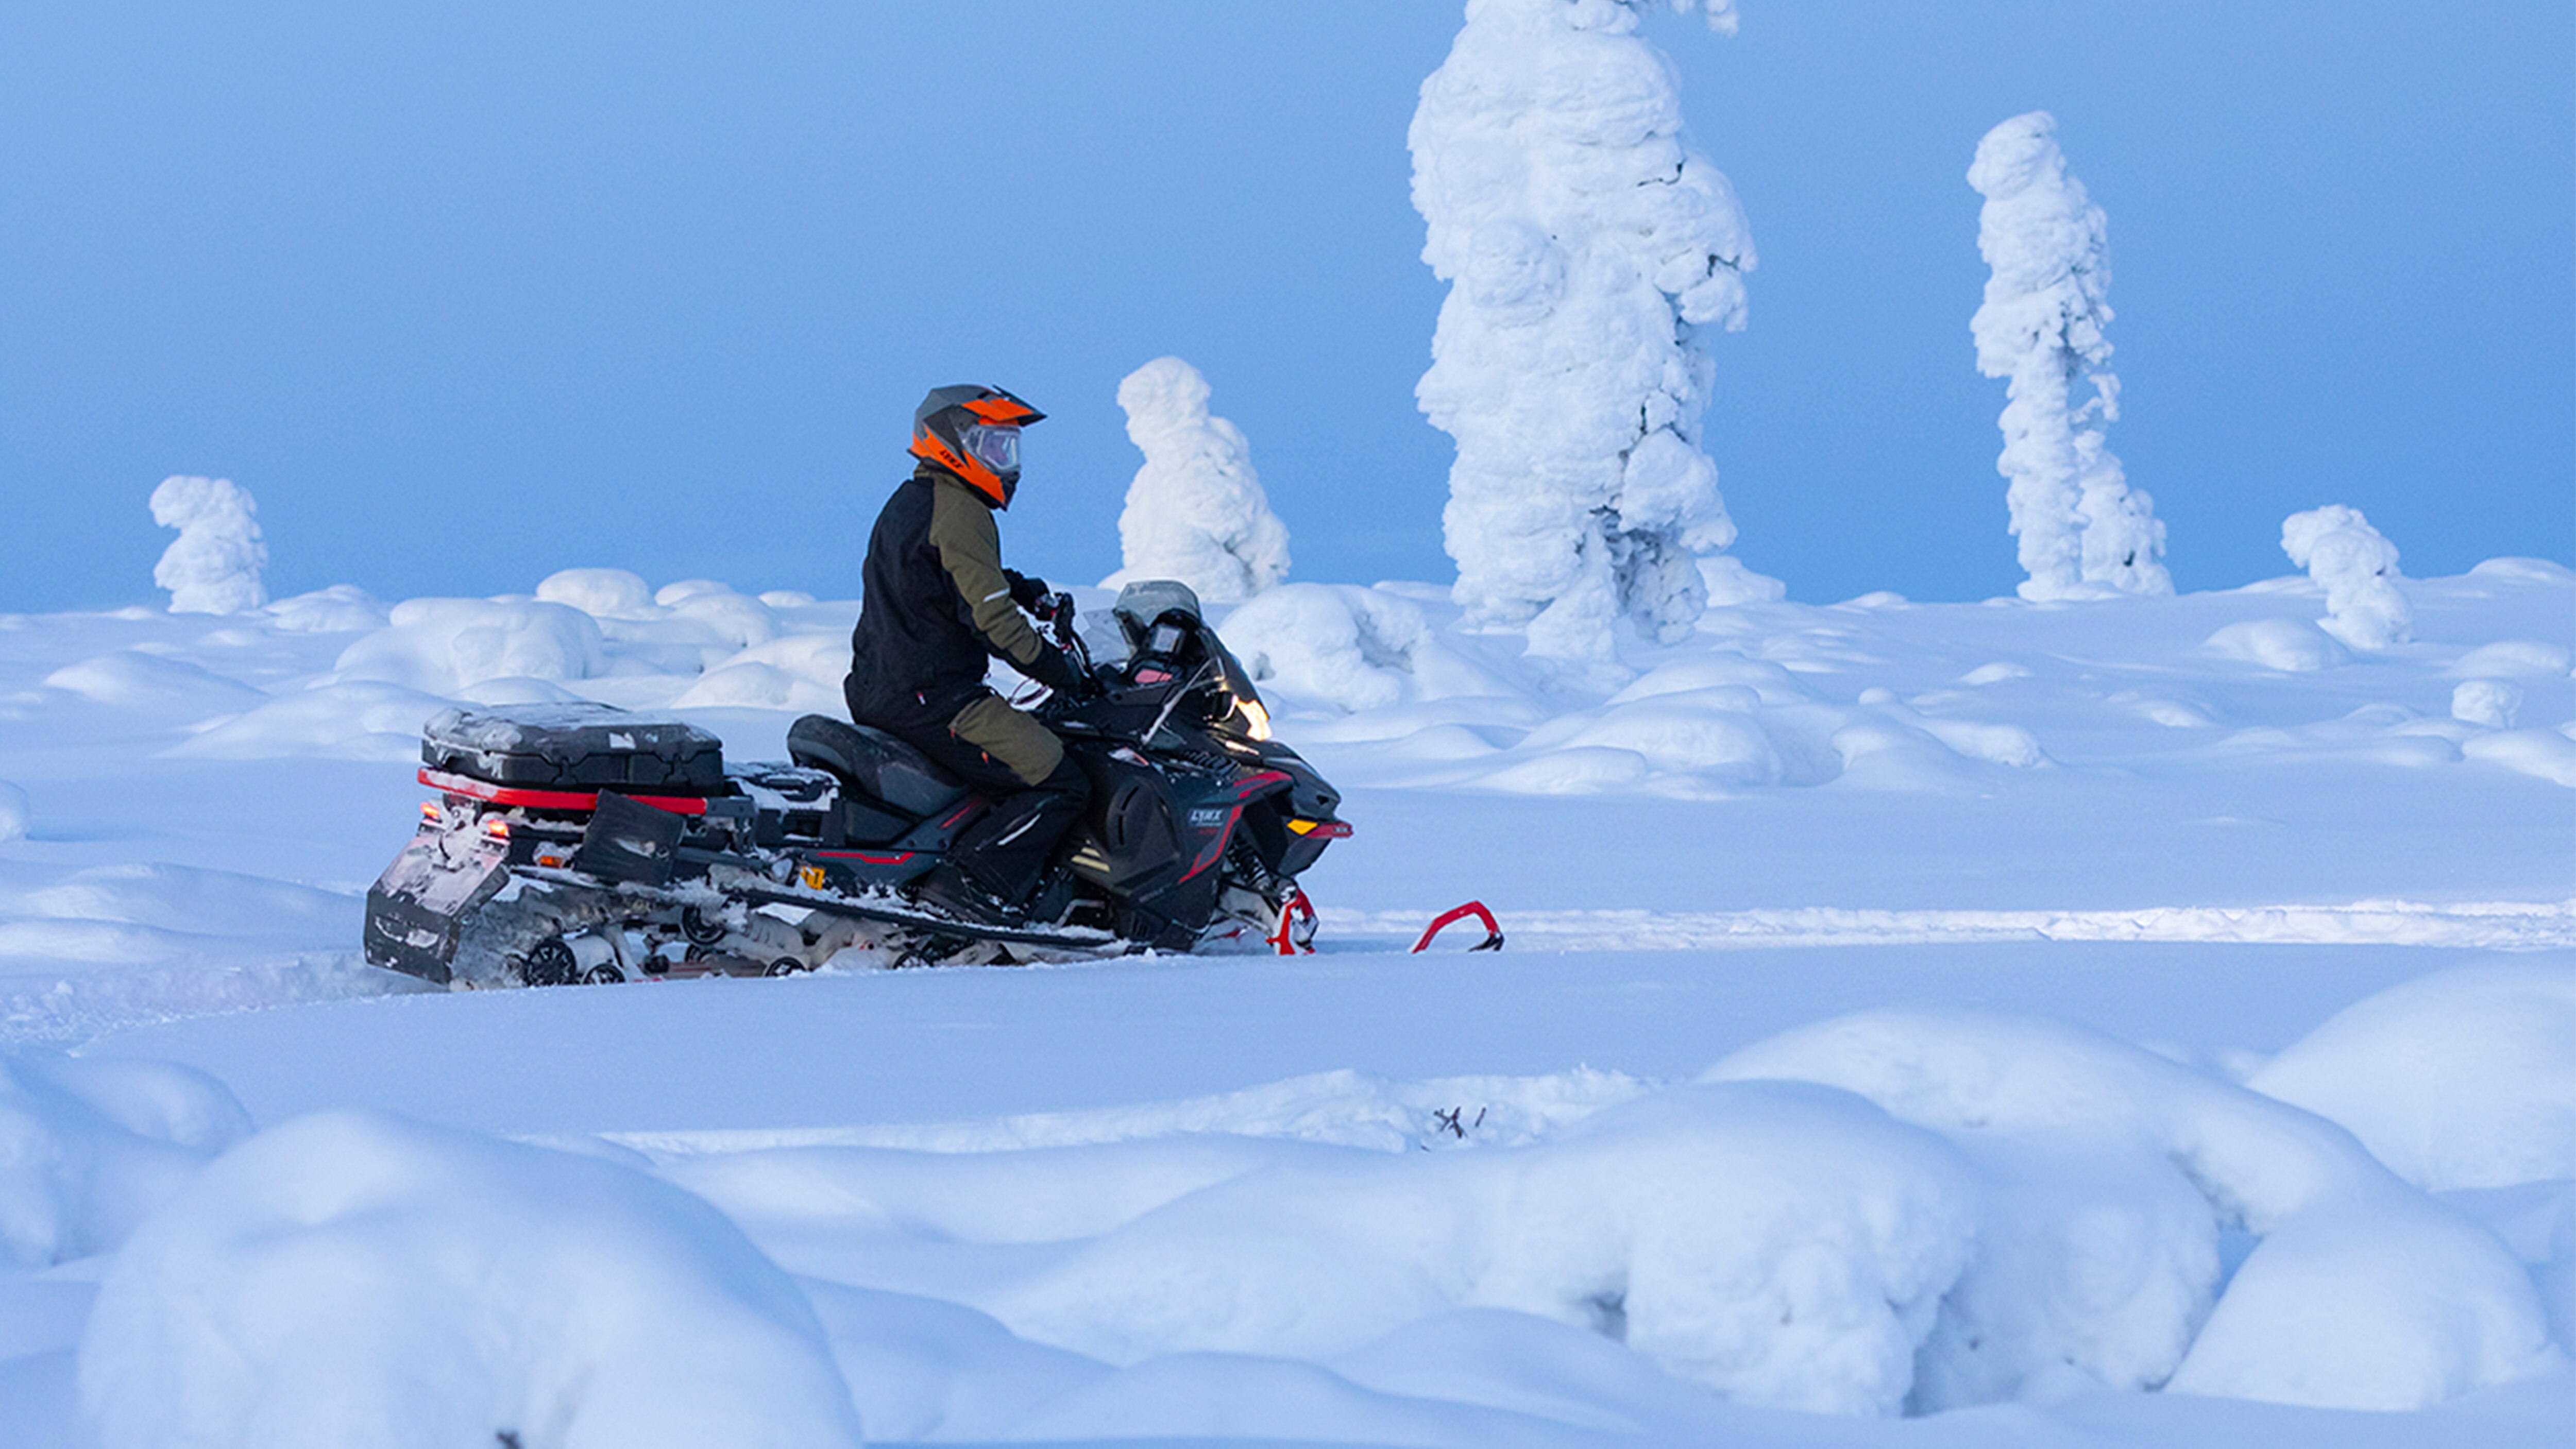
2488 925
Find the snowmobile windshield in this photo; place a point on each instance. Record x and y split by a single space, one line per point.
994 446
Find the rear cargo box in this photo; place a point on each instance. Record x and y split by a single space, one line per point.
574 747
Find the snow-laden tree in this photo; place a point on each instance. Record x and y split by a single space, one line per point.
2358 570
2084 531
1589 248
1196 511
213 566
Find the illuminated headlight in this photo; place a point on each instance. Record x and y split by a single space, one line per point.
1256 720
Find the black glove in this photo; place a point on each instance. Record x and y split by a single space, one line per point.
1027 592
1052 669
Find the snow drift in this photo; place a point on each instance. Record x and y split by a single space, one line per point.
1589 248
89 1148
2463 1079
2362 1293
213 566
354 1278
1195 511
2083 530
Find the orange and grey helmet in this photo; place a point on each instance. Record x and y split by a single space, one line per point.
974 433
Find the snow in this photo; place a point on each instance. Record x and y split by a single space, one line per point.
441 646
2358 570
90 1148
2361 1293
2461 1079
1196 512
2083 530
13 812
1951 1023
355 1278
2489 702
213 566
1588 247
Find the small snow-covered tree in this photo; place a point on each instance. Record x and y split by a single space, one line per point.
1196 511
1589 248
2358 570
213 566
2084 532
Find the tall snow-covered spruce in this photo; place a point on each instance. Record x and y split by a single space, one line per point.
2084 531
1589 248
1196 511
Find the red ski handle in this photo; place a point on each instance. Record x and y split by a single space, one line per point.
1493 930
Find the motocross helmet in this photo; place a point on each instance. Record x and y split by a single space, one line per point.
974 433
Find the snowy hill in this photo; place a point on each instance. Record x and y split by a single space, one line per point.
2139 1020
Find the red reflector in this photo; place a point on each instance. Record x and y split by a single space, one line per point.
474 789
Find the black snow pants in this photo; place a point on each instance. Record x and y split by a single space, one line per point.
1019 764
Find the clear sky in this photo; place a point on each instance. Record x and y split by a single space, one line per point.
468 292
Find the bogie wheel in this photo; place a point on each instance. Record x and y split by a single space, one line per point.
603 974
786 966
550 963
700 931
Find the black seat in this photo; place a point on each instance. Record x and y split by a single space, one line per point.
873 762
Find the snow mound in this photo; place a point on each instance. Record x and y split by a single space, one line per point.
2363 1293
2358 570
2549 754
89 1148
2515 659
921 1369
355 719
1196 511
799 672
213 566
2286 645
600 593
130 678
1781 1244
443 646
1348 648
13 812
2462 1079
339 609
354 1278
2489 702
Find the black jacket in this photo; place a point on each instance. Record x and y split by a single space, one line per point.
938 605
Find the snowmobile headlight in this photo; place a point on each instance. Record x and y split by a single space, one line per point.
1256 720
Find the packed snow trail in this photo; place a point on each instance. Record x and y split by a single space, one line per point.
2500 925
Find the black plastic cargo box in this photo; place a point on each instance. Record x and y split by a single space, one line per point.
574 747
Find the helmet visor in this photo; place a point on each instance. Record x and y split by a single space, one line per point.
994 446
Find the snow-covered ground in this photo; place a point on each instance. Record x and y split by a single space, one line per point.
2129 1021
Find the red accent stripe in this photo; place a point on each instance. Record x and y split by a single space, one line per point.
1260 781
1216 847
474 789
862 855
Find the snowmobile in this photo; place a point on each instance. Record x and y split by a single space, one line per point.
576 843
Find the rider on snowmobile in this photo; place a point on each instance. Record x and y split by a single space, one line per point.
938 604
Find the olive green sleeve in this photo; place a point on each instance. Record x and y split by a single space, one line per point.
970 549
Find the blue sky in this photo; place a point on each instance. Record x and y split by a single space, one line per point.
469 292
